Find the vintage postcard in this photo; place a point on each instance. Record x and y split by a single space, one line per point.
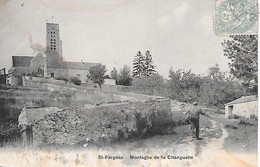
128 83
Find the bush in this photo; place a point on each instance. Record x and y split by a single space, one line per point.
247 122
75 80
124 76
231 127
234 116
154 85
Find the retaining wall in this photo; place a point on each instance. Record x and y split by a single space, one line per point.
79 126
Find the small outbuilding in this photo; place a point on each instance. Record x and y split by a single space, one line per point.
246 106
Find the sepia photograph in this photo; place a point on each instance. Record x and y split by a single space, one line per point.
149 83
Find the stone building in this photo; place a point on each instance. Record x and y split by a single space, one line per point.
245 106
49 64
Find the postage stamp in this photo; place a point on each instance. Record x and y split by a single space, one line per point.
235 17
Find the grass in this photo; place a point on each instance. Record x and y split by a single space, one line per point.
242 134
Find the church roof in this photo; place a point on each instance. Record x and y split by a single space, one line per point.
243 99
79 65
23 61
73 65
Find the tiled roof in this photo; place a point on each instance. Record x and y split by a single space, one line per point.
23 61
243 99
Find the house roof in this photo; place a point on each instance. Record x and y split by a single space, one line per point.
23 61
243 99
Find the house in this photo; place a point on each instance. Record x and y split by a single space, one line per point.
49 64
245 106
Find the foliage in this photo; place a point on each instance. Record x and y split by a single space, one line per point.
215 89
243 51
184 85
97 74
154 85
75 80
124 76
114 73
148 65
215 74
143 65
138 65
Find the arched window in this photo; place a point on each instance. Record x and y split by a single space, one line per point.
40 71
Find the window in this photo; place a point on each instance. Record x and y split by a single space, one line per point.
54 33
52 75
54 40
54 45
40 71
54 48
51 39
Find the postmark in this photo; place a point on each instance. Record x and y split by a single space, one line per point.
235 17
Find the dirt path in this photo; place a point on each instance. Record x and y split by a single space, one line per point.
213 152
206 152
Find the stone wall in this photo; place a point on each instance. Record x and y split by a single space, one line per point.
111 122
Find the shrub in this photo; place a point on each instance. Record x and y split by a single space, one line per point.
247 122
75 80
234 116
231 127
154 85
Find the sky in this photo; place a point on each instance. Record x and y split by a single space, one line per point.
178 33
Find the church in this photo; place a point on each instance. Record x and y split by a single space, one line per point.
49 64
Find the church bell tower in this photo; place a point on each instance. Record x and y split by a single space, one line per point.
53 42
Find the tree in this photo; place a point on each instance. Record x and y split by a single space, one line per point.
154 85
113 73
124 76
148 65
217 89
138 65
97 74
184 85
243 51
215 73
